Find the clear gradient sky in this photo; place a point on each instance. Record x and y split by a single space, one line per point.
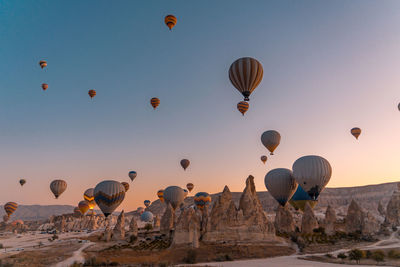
328 66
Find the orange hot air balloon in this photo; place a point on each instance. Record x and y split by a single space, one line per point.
170 21
126 185
45 86
356 132
264 158
160 195
243 106
43 63
83 206
92 93
155 102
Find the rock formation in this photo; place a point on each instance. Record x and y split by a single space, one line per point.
167 220
393 209
157 221
381 209
309 221
359 221
119 228
284 222
330 220
187 229
133 227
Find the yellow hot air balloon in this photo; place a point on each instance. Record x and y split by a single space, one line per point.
243 106
356 132
83 206
246 74
92 93
43 63
10 207
45 86
155 102
264 158
88 196
170 21
160 195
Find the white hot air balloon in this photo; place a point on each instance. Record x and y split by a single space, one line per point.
58 187
312 173
109 195
281 184
174 195
271 139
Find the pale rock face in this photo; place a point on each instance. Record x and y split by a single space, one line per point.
133 227
284 222
167 220
354 218
381 209
119 228
309 221
330 220
187 229
157 222
393 209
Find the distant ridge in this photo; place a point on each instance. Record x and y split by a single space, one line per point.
37 212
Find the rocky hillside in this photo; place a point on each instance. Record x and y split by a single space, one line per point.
37 212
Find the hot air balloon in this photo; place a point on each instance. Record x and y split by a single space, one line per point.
92 93
43 63
185 163
174 195
83 206
190 187
109 195
201 199
356 132
243 106
89 197
45 86
146 216
10 207
132 175
398 106
91 213
300 198
6 218
77 212
170 21
185 192
126 185
280 184
147 203
246 74
160 194
140 210
312 173
271 139
264 158
22 182
58 187
155 102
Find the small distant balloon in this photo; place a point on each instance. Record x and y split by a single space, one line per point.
83 206
132 175
264 158
92 93
185 163
147 203
58 187
243 106
190 187
146 216
43 63
155 102
45 86
170 21
271 139
160 195
356 132
22 182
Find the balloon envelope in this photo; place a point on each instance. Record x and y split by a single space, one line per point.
126 186
109 195
160 194
201 199
132 175
170 21
243 106
174 195
58 187
271 139
190 187
264 159
146 216
22 182
155 102
356 132
312 173
300 198
280 184
147 203
83 206
10 207
185 163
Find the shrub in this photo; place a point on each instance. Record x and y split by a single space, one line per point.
328 255
224 257
148 227
342 256
319 230
1 245
132 239
394 254
378 256
191 256
356 255
368 254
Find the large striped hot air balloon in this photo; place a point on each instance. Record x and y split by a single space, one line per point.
246 74
312 173
43 63
160 194
89 197
170 21
174 195
109 195
22 182
10 207
146 216
126 186
300 198
185 163
58 187
201 199
83 206
45 86
147 203
356 132
280 184
271 139
154 102
190 186
132 175
243 106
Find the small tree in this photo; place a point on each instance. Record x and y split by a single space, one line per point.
342 256
378 256
356 255
148 227
368 254
40 244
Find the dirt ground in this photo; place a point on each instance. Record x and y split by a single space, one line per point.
177 254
